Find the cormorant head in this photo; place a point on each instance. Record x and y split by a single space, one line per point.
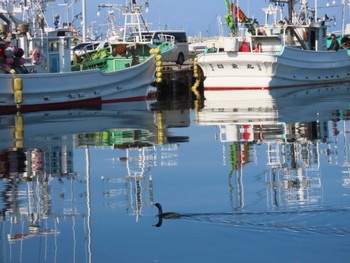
160 218
158 205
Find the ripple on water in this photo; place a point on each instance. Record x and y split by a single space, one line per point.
327 220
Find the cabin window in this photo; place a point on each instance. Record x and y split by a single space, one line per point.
37 44
180 37
53 46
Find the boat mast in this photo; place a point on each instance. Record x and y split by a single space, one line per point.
316 7
84 19
88 202
290 4
343 17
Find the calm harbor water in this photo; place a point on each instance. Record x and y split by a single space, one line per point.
256 176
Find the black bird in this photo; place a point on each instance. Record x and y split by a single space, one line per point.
167 215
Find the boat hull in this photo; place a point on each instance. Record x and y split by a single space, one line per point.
43 91
290 68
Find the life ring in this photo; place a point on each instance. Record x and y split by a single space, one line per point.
37 57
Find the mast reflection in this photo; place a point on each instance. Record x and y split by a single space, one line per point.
41 187
292 124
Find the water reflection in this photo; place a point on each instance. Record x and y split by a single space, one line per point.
41 187
296 126
274 147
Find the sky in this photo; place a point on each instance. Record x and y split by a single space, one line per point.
197 17
194 16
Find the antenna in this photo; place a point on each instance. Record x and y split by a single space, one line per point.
220 25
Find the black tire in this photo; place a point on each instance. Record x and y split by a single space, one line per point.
180 59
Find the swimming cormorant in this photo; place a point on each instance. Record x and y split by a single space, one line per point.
167 215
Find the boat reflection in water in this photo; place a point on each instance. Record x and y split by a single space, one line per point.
295 126
40 186
73 182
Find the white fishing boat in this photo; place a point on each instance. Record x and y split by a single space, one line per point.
37 72
294 51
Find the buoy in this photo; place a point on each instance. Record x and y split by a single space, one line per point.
196 74
158 66
17 84
17 88
160 130
19 134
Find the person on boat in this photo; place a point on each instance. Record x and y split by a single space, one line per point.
213 49
261 32
258 48
345 42
334 44
244 47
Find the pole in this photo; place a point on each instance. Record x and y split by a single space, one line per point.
88 202
343 18
84 19
316 13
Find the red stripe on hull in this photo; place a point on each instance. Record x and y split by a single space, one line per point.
235 88
140 98
82 104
